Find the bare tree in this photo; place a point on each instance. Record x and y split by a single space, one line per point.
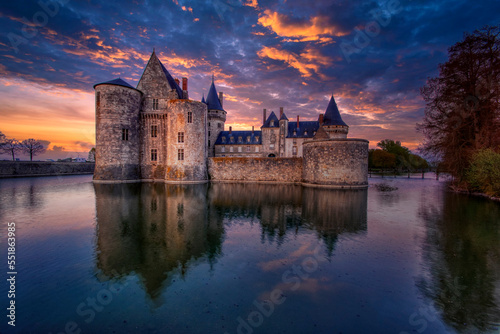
462 113
32 147
10 146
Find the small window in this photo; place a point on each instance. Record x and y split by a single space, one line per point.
230 149
154 154
271 146
223 149
180 137
257 138
256 149
223 139
231 139
239 148
305 133
294 150
155 104
209 143
314 133
248 148
124 134
209 133
219 125
240 139
190 117
295 133
248 139
180 154
154 131
208 123
272 123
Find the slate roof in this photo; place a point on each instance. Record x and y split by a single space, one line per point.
271 117
306 129
116 82
283 117
213 101
171 81
203 98
332 114
225 138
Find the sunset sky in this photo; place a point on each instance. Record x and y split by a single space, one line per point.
372 55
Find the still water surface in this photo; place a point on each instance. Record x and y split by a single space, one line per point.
233 258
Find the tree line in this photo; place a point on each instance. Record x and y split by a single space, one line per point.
11 146
461 125
391 155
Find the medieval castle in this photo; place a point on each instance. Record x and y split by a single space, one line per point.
154 132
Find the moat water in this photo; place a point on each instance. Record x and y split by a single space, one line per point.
233 258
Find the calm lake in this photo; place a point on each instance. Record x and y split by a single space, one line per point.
249 258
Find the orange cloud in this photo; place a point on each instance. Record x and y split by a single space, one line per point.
252 3
311 30
307 63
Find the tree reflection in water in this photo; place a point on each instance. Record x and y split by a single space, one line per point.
462 261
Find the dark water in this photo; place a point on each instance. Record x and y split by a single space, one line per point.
155 258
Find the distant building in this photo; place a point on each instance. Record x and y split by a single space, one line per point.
155 132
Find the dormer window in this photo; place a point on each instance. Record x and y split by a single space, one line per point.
223 139
257 138
240 139
305 133
248 139
295 133
231 139
272 123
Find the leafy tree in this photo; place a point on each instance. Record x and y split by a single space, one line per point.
417 162
484 172
2 138
383 159
32 147
10 146
91 156
462 113
401 153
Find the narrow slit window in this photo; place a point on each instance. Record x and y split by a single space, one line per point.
190 117
124 134
180 137
154 154
154 131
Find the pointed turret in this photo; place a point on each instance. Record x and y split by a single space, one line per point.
272 121
213 101
332 114
203 99
333 123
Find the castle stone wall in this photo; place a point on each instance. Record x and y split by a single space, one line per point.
193 168
117 108
336 162
255 169
44 168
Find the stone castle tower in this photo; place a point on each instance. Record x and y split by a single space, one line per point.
216 117
150 132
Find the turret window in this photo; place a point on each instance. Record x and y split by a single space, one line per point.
190 117
124 134
180 137
154 154
180 154
154 131
155 104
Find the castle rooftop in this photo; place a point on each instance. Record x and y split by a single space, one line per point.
332 114
116 82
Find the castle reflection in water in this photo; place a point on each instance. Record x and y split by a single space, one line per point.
155 229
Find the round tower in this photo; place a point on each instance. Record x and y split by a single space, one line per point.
333 123
216 117
117 131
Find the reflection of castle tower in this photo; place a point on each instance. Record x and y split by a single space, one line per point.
153 230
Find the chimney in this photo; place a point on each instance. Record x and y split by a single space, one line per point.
281 112
185 84
264 113
321 119
221 99
252 129
177 82
230 129
298 121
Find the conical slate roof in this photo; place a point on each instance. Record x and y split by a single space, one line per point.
283 117
203 98
171 80
116 82
332 114
213 101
